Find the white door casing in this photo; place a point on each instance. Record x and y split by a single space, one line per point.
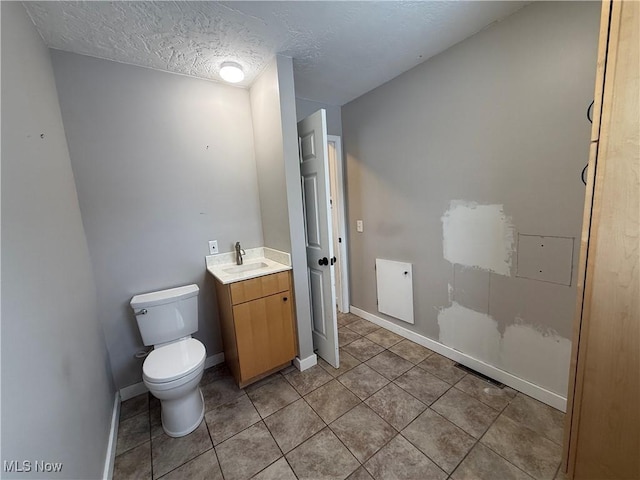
338 214
314 171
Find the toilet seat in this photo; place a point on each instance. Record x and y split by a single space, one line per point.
166 364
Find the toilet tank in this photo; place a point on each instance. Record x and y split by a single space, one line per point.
166 315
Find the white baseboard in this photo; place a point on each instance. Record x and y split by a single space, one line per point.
110 457
136 389
303 364
214 360
528 388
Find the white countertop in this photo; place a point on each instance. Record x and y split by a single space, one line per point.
256 263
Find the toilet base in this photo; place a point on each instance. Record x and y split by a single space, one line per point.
182 416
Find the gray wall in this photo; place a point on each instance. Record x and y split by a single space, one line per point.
498 119
305 107
163 163
57 391
291 161
269 154
276 144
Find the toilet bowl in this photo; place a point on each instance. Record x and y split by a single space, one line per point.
172 374
173 369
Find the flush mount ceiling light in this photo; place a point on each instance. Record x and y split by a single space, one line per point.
231 72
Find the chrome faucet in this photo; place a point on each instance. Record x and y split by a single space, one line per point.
239 253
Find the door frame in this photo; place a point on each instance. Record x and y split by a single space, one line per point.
339 206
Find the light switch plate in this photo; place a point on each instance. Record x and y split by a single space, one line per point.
359 226
213 247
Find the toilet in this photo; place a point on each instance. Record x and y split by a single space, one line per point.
173 369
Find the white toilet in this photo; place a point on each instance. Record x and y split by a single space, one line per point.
173 369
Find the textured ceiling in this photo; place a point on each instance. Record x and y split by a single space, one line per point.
341 50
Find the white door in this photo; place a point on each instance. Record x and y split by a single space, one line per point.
314 169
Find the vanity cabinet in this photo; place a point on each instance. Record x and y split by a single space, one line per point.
257 323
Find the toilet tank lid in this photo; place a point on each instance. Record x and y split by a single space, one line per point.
164 296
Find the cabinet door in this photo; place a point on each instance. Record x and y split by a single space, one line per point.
264 334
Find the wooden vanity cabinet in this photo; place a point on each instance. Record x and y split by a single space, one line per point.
258 327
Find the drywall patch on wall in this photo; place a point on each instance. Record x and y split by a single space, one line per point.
479 236
538 355
471 332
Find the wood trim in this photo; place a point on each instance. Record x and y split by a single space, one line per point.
575 380
572 414
603 44
606 385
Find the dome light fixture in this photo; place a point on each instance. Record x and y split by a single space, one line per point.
231 72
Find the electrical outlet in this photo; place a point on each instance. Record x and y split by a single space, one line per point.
359 226
213 247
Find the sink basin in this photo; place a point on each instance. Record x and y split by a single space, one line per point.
247 267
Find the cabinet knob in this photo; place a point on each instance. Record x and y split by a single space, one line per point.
284 299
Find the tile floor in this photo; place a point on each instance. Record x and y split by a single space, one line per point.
393 410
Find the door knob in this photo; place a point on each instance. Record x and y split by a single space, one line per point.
323 261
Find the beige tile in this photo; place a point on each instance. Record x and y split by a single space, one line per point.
278 470
384 337
155 421
362 431
525 448
293 425
360 474
347 362
273 396
169 453
220 392
132 432
537 416
484 464
228 419
439 439
154 402
487 393
399 460
363 349
203 467
331 400
466 412
134 464
346 336
261 383
443 368
422 385
346 319
217 372
134 406
363 381
309 380
395 406
323 456
247 453
389 365
363 327
411 351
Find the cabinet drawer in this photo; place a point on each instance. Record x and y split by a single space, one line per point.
259 287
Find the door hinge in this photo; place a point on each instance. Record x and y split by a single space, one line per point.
339 239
